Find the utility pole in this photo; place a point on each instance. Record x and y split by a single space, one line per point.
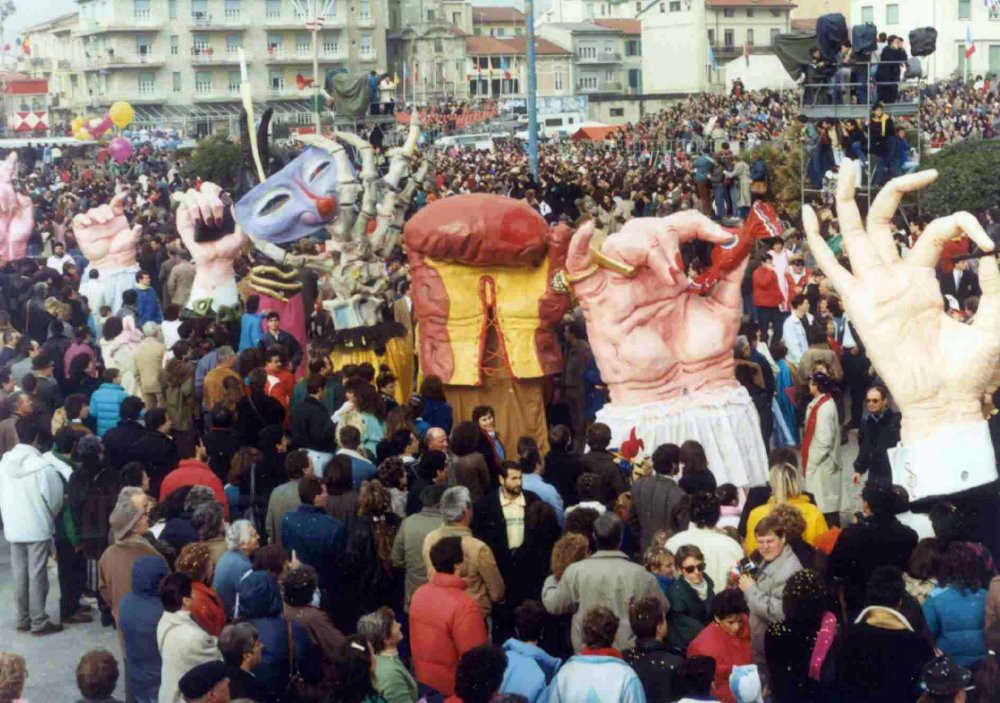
529 10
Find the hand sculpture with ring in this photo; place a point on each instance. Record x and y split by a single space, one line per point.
936 368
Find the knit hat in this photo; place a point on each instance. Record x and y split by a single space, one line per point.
201 679
944 677
123 518
745 684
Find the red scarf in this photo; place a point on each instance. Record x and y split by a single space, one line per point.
810 429
601 652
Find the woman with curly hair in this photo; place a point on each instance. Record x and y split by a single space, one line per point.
956 614
471 470
13 674
392 474
367 578
195 562
365 410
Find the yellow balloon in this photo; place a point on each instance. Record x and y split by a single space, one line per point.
77 124
83 135
121 114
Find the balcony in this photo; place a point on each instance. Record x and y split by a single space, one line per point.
129 60
210 57
218 95
143 96
605 57
368 56
293 21
129 25
201 21
366 22
285 93
727 52
599 87
277 55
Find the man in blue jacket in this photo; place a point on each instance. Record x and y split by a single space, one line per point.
147 305
139 613
315 538
106 401
529 667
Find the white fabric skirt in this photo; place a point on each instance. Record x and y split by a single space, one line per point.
723 420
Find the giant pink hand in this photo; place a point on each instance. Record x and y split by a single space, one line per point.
213 260
653 340
16 227
105 237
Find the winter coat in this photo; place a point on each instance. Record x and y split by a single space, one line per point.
875 438
31 495
765 597
472 472
312 427
688 614
324 635
789 649
393 681
120 354
260 605
656 664
607 578
741 179
229 570
445 623
408 549
482 578
317 539
815 522
191 472
139 612
955 620
122 442
596 678
438 413
864 546
721 551
115 569
658 503
562 469
251 330
823 473
529 669
105 403
149 363
183 645
612 479
488 524
147 307
727 650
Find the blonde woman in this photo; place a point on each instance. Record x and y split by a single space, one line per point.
785 488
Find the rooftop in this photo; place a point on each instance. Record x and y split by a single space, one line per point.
631 27
511 46
583 27
496 14
753 4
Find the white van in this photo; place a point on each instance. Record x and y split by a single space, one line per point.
481 142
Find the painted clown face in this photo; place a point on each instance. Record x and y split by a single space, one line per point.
294 202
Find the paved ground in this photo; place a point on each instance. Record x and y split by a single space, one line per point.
52 660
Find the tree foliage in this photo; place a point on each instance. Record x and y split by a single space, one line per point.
215 159
969 178
784 166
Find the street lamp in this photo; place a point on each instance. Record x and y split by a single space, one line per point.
315 17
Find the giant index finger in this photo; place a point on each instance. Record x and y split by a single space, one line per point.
578 254
859 247
842 279
884 207
691 224
927 251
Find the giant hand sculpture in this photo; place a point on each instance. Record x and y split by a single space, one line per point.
214 286
105 236
652 340
936 368
17 213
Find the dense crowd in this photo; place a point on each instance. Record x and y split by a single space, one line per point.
259 524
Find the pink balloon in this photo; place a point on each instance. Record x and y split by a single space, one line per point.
120 149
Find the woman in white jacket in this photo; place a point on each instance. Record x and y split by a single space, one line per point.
119 338
183 644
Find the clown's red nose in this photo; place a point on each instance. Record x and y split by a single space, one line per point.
326 206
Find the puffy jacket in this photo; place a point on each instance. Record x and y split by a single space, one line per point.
815 522
766 291
191 472
105 403
251 330
139 613
955 620
31 495
529 669
260 605
727 650
688 613
445 622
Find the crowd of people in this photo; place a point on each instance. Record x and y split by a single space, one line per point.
357 546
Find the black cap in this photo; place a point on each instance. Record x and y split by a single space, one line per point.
943 677
201 679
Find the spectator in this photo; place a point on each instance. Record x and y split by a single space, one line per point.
342 499
251 324
214 387
242 652
408 547
350 445
437 412
97 677
588 583
697 676
193 471
183 644
208 520
696 476
139 612
221 441
384 634
690 597
654 662
257 410
241 543
480 675
315 537
471 470
445 622
148 363
13 674
195 560
106 401
719 549
488 443
726 640
956 613
821 460
599 461
533 479
529 668
658 503
598 672
562 465
277 336
879 432
205 683
298 586
312 427
285 497
784 484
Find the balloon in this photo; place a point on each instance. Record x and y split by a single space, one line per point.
120 149
98 126
121 113
83 135
76 125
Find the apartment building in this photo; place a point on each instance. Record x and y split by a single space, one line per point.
498 22
426 47
179 61
498 67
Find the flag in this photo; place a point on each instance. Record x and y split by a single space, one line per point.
711 59
970 44
746 52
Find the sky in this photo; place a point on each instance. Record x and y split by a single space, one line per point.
31 12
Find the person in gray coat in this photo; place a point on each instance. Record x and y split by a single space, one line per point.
408 546
765 588
605 578
658 503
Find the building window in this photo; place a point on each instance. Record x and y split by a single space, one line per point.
199 9
774 34
456 18
775 13
589 82
634 79
199 43
728 12
518 31
994 59
616 111
145 83
749 12
366 44
587 52
233 8
868 15
277 80
330 45
557 80
965 9
142 47
203 82
175 78
274 43
729 37
892 14
174 45
364 10
234 42
438 45
430 15
750 37
663 7
234 81
141 9
500 31
303 44
272 9
632 47
711 37
638 7
675 6
172 9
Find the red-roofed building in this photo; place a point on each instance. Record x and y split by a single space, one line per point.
498 66
498 22
26 105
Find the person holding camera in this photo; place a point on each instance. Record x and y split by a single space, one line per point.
764 583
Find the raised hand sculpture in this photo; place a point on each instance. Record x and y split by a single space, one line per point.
936 368
109 244
17 213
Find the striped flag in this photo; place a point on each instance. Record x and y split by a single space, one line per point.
970 44
711 59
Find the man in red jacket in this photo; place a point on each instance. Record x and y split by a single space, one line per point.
768 298
445 622
193 471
